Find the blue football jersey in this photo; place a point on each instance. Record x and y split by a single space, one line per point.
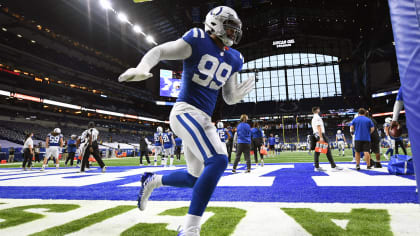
222 134
400 95
157 139
54 140
206 70
167 139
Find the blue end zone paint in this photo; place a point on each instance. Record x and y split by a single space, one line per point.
290 185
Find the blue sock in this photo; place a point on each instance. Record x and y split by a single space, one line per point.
214 167
179 178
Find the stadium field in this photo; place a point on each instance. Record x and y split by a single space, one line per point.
284 157
285 197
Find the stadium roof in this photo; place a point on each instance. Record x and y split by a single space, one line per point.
86 20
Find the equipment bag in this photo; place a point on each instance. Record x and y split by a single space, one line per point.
401 165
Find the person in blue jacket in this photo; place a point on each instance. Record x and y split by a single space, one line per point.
244 143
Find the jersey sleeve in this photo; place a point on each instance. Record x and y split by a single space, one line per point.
400 95
192 36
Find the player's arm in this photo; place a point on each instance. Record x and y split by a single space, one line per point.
318 127
47 142
173 140
352 129
336 139
344 137
234 92
77 142
174 50
161 140
398 106
61 142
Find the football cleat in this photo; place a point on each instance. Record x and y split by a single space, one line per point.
319 169
191 231
337 168
149 182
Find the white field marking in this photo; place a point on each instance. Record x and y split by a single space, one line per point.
88 178
35 173
254 178
268 221
351 177
341 223
118 224
404 217
53 219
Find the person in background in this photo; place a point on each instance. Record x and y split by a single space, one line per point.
244 143
90 137
178 147
257 142
375 141
37 152
399 143
11 155
28 151
144 151
362 127
229 144
71 149
277 144
271 145
319 133
388 140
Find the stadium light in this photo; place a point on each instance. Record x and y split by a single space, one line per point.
105 4
122 17
150 39
136 29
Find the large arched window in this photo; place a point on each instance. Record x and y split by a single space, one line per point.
293 77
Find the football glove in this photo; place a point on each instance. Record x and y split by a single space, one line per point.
134 75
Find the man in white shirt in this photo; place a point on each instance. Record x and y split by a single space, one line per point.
319 133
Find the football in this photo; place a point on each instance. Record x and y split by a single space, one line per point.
395 131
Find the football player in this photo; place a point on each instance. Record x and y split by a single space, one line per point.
53 144
340 139
210 64
388 140
168 145
277 144
223 133
158 143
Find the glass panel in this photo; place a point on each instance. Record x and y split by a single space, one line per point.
267 92
315 90
322 79
280 60
296 59
323 90
320 58
307 91
330 78
306 79
331 90
274 81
